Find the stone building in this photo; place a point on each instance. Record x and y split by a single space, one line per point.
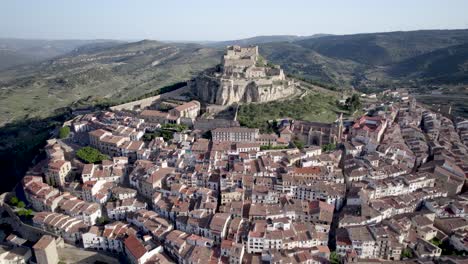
243 77
316 133
57 171
46 250
235 134
187 110
204 124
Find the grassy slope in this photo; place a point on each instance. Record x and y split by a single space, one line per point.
120 72
15 52
309 64
315 106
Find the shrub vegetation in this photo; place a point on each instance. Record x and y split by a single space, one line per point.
91 155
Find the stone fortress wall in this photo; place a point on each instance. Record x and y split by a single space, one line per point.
146 102
242 78
26 231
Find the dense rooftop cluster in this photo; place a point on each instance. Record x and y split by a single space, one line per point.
390 189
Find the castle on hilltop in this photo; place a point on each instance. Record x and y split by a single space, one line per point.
246 63
243 77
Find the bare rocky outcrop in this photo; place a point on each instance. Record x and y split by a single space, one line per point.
243 77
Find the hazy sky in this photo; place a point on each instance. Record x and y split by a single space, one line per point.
219 19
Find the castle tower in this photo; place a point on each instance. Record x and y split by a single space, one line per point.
340 128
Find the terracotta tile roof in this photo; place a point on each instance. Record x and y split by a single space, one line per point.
43 242
154 113
135 247
56 164
307 170
191 104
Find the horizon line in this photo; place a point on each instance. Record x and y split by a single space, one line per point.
213 41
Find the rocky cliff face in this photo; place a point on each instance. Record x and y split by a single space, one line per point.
216 90
243 77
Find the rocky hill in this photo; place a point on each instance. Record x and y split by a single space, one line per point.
243 77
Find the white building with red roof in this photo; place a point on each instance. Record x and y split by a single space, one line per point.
369 130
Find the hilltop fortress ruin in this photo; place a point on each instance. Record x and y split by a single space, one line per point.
243 77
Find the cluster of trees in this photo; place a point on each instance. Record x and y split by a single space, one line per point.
165 134
14 201
176 127
406 253
447 248
353 103
102 221
298 143
64 132
25 212
272 147
91 155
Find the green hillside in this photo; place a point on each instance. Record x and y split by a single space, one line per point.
93 73
443 66
376 60
384 48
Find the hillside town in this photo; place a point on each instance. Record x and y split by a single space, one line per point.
169 185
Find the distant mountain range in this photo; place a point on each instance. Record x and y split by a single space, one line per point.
15 52
376 59
39 76
98 71
263 39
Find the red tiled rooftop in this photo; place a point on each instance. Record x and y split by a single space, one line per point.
307 170
135 247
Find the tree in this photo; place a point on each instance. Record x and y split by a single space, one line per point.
166 135
64 132
298 143
102 220
207 134
14 201
436 241
406 253
353 103
90 155
21 204
176 127
334 258
328 147
25 212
